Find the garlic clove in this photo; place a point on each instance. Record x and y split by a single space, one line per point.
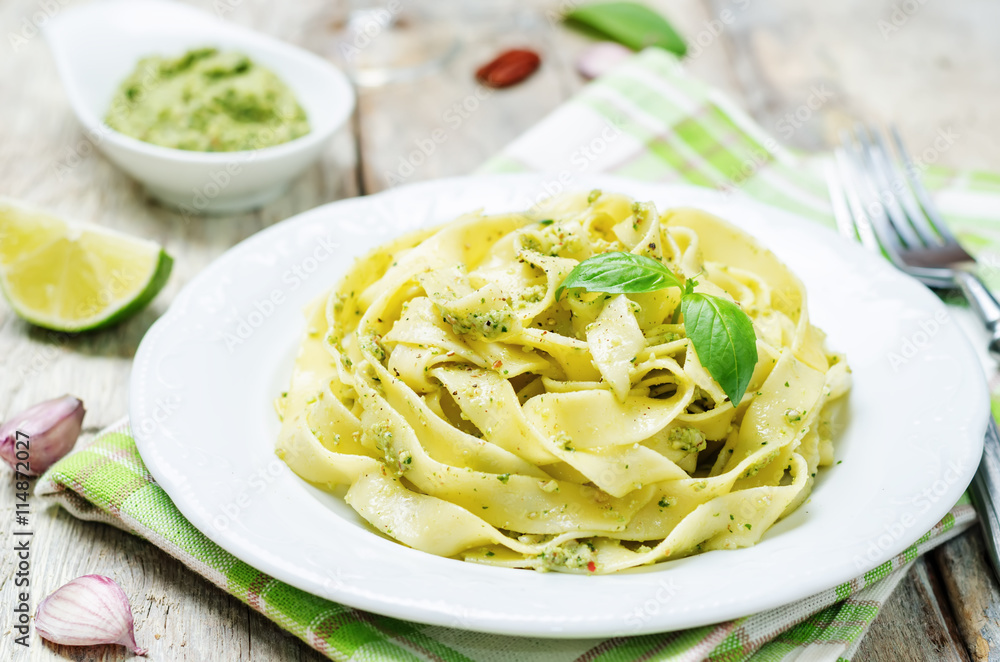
88 611
601 58
47 432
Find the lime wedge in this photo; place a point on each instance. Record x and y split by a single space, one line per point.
69 276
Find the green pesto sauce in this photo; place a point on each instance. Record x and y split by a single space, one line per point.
490 324
206 101
689 440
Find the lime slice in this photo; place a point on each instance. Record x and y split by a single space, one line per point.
69 276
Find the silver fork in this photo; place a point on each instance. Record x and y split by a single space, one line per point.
890 211
878 199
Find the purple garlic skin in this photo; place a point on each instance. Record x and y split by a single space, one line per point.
47 430
600 58
88 611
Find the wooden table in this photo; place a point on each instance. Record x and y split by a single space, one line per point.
926 66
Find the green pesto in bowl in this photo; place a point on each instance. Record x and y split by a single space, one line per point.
206 101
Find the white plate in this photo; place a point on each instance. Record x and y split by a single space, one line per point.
206 374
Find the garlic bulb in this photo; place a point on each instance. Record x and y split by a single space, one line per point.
35 439
598 59
89 610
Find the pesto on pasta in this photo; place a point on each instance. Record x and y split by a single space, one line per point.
472 414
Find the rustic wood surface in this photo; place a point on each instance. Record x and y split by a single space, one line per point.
926 66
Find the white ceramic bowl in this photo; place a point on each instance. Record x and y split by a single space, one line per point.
97 45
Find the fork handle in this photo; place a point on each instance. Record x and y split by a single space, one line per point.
985 305
985 491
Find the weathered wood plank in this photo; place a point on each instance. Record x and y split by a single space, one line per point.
925 68
973 593
915 624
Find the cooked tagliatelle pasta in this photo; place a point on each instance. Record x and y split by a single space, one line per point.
470 414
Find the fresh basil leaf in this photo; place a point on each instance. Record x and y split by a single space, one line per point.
724 339
628 23
619 273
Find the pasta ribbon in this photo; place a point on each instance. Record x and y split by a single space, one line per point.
464 411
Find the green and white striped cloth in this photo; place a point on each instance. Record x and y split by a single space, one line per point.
645 120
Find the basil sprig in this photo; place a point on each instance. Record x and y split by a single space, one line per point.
722 334
724 338
619 273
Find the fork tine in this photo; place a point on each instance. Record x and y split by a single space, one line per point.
865 205
904 196
887 195
841 211
867 220
918 189
862 224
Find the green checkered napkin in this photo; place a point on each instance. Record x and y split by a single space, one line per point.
645 120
